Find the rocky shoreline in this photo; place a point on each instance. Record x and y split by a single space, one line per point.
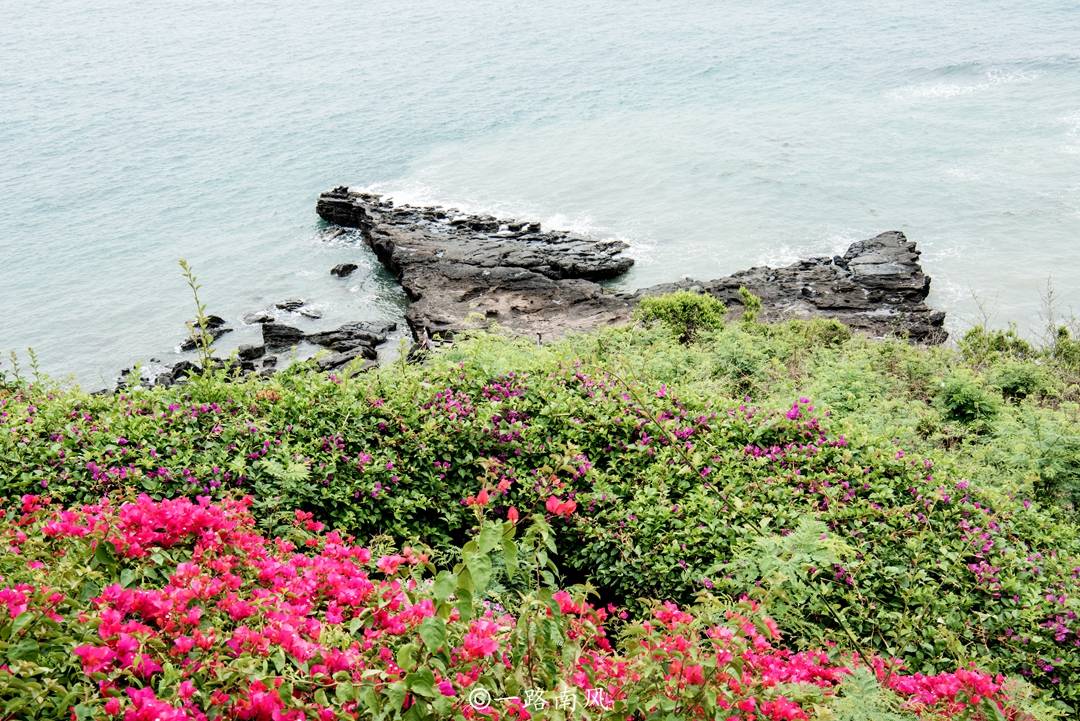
462 271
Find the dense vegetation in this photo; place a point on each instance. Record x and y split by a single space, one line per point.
176 610
896 501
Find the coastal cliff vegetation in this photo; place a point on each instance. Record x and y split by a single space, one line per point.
680 517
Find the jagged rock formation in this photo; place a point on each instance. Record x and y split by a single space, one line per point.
463 270
453 266
877 286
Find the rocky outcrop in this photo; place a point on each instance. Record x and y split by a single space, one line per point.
462 271
877 286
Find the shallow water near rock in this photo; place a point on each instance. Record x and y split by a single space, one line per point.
710 138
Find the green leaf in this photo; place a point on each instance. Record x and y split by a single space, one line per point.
510 557
433 633
344 692
490 536
423 683
395 695
480 570
445 585
406 656
279 660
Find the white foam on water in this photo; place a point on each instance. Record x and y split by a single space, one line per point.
419 194
962 173
831 245
943 90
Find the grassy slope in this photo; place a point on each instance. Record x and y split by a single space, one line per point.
930 491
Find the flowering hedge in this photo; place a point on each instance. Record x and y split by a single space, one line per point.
180 610
661 479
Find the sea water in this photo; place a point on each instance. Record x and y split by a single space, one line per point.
711 136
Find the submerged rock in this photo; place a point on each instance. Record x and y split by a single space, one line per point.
290 304
464 271
258 316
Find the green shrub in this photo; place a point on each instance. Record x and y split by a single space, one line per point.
963 399
751 305
1066 349
980 345
684 313
1059 470
742 361
1020 379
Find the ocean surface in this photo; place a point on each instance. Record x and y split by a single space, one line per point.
710 136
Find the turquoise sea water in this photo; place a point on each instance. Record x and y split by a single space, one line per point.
711 137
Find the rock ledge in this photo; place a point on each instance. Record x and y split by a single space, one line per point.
462 271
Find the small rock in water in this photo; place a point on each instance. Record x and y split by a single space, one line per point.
258 316
214 328
212 322
290 304
343 269
310 312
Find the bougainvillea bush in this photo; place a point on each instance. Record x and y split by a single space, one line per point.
942 477
179 609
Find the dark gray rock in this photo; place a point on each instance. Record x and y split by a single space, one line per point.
214 328
277 335
250 352
463 271
351 335
337 207
877 286
334 361
178 372
290 304
459 275
342 270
